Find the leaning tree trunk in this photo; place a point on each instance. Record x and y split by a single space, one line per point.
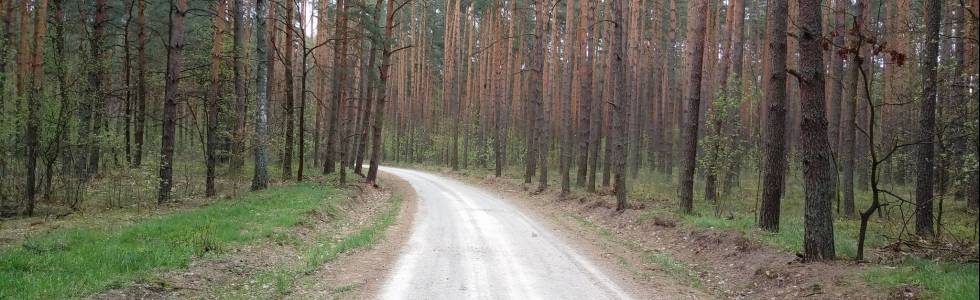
174 51
695 53
818 171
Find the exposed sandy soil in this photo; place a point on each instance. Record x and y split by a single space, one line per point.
359 274
722 264
234 274
473 243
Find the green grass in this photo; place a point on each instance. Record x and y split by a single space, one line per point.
324 251
941 280
78 262
325 248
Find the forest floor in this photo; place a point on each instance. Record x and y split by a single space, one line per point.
296 241
650 240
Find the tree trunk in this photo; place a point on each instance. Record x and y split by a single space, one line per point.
340 31
139 126
88 112
837 70
372 91
774 160
586 54
539 83
618 105
925 158
287 105
34 99
848 124
694 62
376 141
818 172
260 178
241 102
214 95
568 132
174 50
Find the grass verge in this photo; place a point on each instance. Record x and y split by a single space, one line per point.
941 280
325 248
77 262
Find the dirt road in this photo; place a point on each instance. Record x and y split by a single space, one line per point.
468 243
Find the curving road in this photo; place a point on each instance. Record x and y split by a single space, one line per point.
467 243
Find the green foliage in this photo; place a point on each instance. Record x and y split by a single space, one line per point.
77 262
324 248
721 147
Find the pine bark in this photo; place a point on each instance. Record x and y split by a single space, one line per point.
818 172
139 126
260 177
694 61
174 59
586 54
568 131
214 96
287 105
837 71
34 99
379 111
774 161
618 105
241 93
339 80
925 157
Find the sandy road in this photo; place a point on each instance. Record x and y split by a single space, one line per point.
468 243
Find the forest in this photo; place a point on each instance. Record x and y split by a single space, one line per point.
836 130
